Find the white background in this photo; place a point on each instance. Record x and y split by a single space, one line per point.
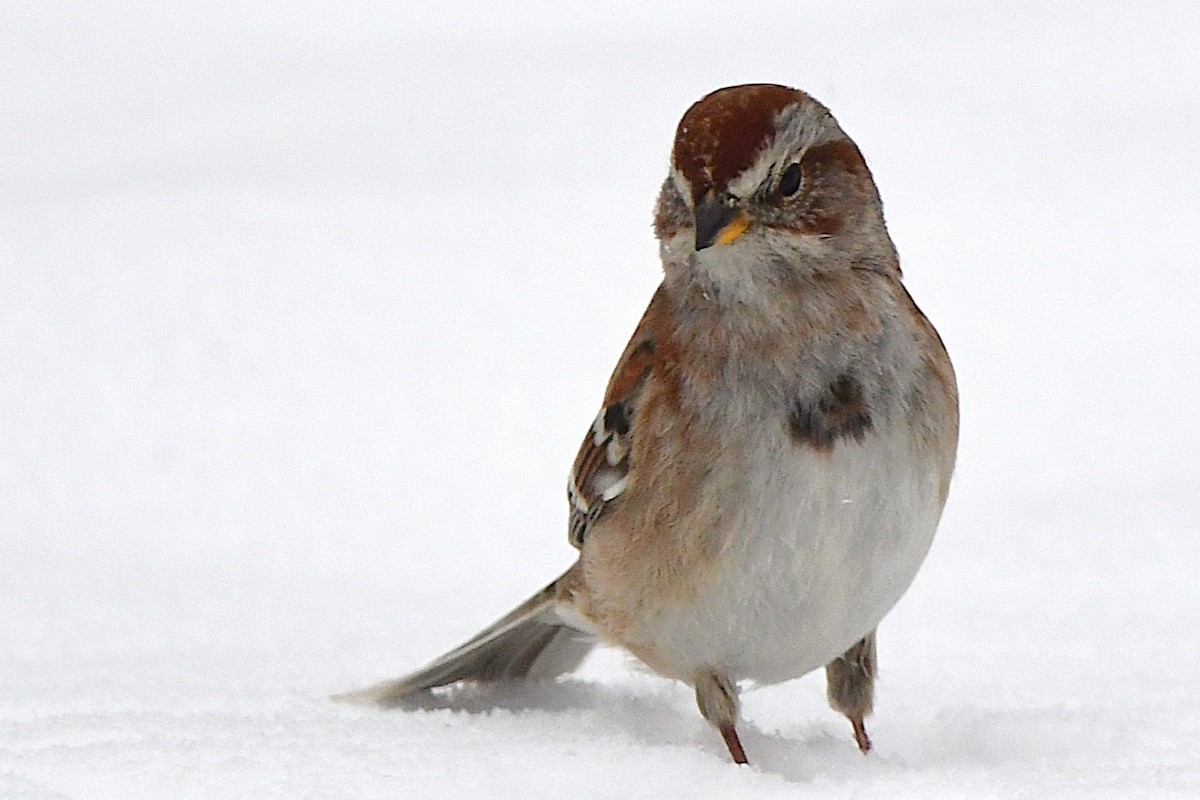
304 309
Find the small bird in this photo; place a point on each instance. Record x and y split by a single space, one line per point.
774 449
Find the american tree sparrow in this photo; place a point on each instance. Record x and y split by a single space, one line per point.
775 446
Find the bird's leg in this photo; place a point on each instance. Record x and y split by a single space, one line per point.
851 686
718 701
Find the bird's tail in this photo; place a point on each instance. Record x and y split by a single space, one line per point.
530 642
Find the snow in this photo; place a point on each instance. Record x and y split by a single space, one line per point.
303 314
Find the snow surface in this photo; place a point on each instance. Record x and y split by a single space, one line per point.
304 309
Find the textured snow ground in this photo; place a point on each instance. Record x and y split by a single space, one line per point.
303 313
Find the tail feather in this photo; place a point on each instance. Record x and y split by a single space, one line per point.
530 642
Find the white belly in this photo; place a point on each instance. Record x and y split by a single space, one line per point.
822 546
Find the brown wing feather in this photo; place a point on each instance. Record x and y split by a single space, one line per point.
602 468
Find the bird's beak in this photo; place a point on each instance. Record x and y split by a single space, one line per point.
718 221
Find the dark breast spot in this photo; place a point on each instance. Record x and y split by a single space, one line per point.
840 412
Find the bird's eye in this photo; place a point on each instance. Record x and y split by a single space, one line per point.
789 182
